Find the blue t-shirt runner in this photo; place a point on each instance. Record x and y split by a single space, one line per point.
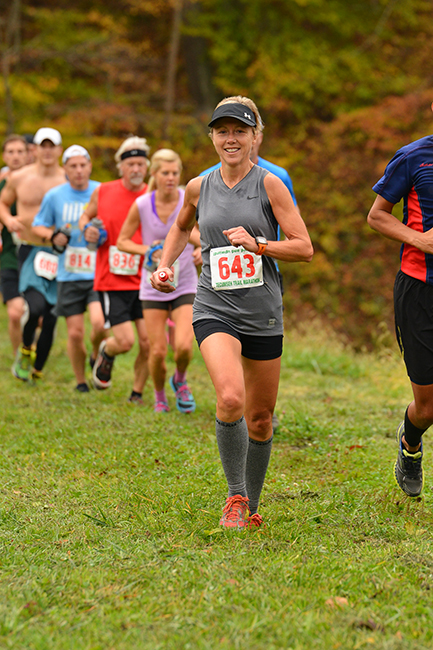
61 206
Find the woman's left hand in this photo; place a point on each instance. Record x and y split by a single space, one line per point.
156 255
196 256
240 237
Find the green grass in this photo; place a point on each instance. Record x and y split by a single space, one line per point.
109 515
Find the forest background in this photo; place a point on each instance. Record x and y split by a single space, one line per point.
340 85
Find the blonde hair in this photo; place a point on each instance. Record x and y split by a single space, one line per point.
159 157
246 101
133 142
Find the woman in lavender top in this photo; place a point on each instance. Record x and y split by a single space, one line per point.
155 212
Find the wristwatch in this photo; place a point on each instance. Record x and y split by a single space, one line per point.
261 242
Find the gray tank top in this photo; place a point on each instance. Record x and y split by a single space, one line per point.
254 310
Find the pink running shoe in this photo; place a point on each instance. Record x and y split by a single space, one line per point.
254 521
161 407
235 512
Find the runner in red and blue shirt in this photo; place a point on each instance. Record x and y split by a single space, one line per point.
409 176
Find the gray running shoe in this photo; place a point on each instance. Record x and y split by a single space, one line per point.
408 467
102 369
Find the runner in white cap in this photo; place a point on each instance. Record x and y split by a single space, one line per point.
27 187
57 220
47 133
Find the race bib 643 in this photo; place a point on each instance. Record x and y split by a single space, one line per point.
233 267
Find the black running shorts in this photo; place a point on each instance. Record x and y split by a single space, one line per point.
413 307
169 305
73 297
9 284
120 306
260 348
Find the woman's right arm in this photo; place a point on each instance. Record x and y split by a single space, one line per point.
128 230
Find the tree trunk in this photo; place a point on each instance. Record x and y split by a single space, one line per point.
198 63
10 48
170 91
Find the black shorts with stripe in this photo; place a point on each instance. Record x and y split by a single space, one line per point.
413 308
120 306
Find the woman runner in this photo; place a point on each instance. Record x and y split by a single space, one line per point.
156 212
238 314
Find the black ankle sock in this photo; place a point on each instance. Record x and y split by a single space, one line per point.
135 394
412 434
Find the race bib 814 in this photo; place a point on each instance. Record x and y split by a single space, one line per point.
80 260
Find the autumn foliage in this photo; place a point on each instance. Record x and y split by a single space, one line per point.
350 281
341 86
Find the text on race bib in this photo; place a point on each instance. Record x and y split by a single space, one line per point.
80 260
123 263
45 265
233 267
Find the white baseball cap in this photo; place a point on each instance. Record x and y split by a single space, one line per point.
47 133
75 150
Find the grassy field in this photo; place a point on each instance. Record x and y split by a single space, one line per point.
109 515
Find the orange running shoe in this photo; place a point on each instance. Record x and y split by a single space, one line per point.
254 521
235 512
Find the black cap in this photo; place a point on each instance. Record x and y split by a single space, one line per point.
237 111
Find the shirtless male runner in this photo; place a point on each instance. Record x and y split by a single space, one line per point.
27 187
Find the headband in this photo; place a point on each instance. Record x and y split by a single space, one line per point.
133 152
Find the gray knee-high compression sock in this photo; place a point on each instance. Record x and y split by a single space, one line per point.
257 465
232 439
